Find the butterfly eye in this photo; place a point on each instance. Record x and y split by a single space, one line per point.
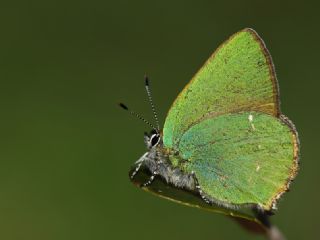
155 139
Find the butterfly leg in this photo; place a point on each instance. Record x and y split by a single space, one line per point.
199 190
138 165
154 174
154 166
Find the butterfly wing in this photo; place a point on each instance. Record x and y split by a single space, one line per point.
241 158
208 129
238 76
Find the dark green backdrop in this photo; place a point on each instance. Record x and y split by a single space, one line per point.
66 147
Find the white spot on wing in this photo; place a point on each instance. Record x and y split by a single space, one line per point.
250 118
258 168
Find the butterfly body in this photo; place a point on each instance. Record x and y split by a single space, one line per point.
157 161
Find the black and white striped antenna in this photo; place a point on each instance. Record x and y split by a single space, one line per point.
136 115
147 85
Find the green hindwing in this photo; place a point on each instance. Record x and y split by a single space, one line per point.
241 158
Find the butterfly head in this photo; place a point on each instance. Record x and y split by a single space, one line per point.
152 139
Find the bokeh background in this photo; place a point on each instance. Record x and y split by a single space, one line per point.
66 147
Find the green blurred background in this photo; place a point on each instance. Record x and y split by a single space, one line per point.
66 147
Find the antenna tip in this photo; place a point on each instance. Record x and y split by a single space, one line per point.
123 106
146 80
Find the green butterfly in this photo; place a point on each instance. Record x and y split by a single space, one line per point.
225 146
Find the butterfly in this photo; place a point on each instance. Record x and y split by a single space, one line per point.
225 145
